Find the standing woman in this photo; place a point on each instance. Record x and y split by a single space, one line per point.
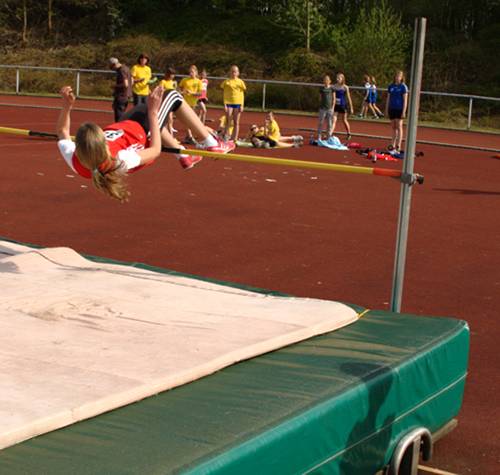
203 99
190 88
169 83
234 98
343 103
327 101
141 75
395 108
372 99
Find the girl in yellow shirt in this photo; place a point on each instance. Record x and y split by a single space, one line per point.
234 98
168 82
273 133
141 75
190 88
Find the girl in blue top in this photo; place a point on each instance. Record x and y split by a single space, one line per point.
372 99
343 103
397 103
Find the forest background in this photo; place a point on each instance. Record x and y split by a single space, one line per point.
296 40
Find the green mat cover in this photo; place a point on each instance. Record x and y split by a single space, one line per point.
336 403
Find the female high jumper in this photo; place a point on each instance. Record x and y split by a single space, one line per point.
106 155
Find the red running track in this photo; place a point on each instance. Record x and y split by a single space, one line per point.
304 232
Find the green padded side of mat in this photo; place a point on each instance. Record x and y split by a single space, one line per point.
336 403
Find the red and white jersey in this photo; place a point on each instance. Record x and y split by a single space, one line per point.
124 139
204 89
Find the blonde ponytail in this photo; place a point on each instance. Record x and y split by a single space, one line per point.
92 151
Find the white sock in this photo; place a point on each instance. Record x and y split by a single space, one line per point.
210 141
181 155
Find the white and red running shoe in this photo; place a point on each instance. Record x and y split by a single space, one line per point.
222 146
187 161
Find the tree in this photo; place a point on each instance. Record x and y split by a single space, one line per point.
302 18
377 43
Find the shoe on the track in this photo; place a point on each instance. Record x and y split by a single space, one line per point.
187 161
222 146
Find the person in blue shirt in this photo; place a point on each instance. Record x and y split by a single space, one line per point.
343 104
372 99
396 105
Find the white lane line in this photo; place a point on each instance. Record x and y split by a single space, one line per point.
435 470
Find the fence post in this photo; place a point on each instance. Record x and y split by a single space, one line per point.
18 81
77 83
469 116
264 96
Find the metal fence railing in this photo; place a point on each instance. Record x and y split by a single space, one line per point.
262 93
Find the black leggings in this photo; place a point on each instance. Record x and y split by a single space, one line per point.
172 100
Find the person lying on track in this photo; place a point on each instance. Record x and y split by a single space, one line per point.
106 155
272 130
259 138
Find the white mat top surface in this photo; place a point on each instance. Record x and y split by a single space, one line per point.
79 338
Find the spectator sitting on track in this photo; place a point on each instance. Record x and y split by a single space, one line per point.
327 100
221 131
257 138
272 130
190 88
395 108
141 75
269 136
122 89
107 155
168 82
234 99
343 104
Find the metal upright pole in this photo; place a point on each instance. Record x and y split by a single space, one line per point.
407 177
264 97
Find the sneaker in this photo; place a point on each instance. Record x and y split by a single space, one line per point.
187 161
190 141
222 146
349 137
381 116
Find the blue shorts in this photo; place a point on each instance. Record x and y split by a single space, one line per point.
233 106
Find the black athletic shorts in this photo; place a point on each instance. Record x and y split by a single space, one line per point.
395 114
339 109
271 142
172 100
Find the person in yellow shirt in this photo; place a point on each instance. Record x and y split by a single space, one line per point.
234 98
190 88
222 126
168 82
141 76
272 134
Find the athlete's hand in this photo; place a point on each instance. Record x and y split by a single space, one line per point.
67 96
155 99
